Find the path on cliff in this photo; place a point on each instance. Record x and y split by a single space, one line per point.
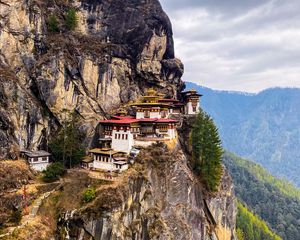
33 212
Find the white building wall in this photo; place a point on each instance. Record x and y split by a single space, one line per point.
143 143
123 145
171 133
39 166
123 167
155 115
109 166
140 115
189 108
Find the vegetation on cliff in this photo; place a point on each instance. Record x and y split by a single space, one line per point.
67 146
53 172
251 227
274 200
207 151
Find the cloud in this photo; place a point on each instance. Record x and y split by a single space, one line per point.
237 45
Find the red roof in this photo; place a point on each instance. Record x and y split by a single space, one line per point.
120 121
129 120
123 117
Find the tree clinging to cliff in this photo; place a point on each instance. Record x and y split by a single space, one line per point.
207 150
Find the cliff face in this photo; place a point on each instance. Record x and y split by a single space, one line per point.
119 49
161 199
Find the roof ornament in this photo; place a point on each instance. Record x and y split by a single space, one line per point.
122 112
151 92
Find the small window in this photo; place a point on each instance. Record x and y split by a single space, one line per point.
147 114
116 136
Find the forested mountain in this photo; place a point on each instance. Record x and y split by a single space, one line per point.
276 201
251 227
263 127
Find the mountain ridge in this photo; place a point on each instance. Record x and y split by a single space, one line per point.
262 127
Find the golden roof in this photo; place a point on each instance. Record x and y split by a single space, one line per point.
151 92
122 112
103 151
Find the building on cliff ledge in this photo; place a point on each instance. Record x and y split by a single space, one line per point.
191 101
38 160
106 159
152 123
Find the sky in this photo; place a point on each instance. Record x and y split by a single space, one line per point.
237 45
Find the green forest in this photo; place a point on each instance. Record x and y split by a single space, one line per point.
274 200
251 227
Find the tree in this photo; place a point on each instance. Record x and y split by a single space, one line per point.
71 19
52 24
207 151
53 172
89 195
67 146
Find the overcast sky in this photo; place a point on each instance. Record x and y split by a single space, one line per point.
239 45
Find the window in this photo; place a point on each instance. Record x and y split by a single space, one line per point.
35 159
44 158
119 136
126 136
116 136
123 136
147 114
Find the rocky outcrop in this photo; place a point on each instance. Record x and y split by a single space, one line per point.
119 49
161 200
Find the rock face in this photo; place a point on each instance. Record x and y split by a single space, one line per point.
162 201
119 49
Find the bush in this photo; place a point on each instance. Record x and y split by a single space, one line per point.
53 172
52 24
16 217
89 195
71 19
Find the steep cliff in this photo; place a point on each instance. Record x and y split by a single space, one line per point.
119 49
159 198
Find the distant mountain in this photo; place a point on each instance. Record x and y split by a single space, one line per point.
251 227
275 201
264 127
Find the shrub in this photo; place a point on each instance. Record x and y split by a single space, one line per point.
89 195
53 172
16 217
52 24
71 19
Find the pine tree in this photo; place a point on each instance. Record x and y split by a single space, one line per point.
71 19
67 146
207 151
52 24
